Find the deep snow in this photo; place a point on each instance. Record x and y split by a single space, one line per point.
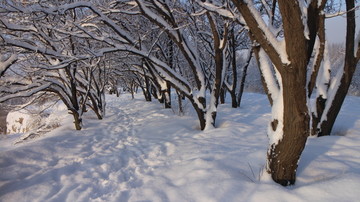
142 152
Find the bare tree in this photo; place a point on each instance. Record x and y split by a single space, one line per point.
332 95
52 51
292 56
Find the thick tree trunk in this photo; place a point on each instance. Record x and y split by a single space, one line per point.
289 105
284 155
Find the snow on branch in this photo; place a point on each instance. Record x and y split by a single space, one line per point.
54 10
28 46
340 13
266 70
158 20
269 35
263 33
26 91
161 16
162 68
221 10
304 14
323 78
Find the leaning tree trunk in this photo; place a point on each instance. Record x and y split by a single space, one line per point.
327 122
284 155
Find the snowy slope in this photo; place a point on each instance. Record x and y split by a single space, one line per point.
141 152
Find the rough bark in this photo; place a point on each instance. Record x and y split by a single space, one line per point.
284 156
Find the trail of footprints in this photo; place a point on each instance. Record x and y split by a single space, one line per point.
113 161
124 159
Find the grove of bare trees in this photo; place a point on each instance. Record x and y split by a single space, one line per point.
78 49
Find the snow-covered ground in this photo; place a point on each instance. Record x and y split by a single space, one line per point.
142 152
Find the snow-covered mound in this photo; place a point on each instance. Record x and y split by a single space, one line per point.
29 123
142 152
21 121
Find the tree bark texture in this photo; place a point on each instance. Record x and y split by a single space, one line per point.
283 157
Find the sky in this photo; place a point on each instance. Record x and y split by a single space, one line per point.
336 28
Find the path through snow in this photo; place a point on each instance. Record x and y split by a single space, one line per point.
142 152
102 162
